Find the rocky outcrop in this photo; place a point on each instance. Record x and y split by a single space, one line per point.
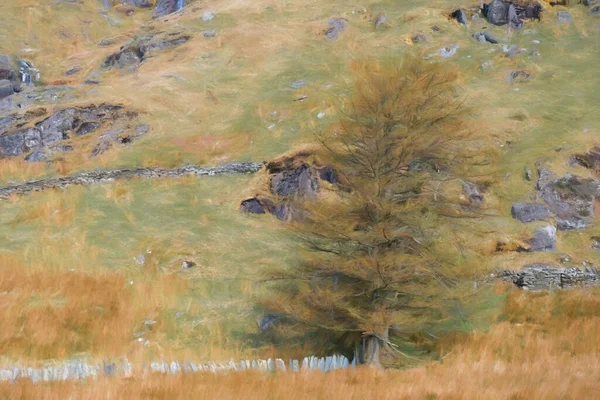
502 12
9 77
27 133
570 198
99 176
143 46
537 277
290 179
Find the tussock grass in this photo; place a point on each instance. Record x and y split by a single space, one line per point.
546 349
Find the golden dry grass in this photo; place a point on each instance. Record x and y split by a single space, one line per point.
546 348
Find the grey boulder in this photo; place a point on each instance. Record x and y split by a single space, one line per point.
544 239
529 212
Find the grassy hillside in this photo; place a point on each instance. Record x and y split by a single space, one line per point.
71 280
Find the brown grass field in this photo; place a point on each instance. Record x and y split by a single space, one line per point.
545 348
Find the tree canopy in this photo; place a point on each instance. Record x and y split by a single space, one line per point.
385 254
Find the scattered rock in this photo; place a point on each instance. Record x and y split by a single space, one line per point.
380 21
106 42
564 16
473 193
166 7
596 242
73 70
6 88
256 206
536 277
529 212
143 46
418 38
210 33
208 16
448 52
187 264
544 239
595 11
460 16
511 51
298 84
336 26
518 76
485 37
528 174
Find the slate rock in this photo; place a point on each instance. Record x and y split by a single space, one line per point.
502 12
255 206
328 174
473 193
36 156
497 12
518 76
564 16
570 198
7 68
6 88
142 46
544 239
298 84
485 37
419 38
166 7
590 160
138 3
529 212
336 26
595 11
302 182
449 51
380 21
210 33
460 16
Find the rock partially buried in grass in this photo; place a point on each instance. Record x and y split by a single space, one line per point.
336 26
143 46
460 16
544 239
380 21
485 37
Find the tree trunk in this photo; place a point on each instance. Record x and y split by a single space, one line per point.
368 351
